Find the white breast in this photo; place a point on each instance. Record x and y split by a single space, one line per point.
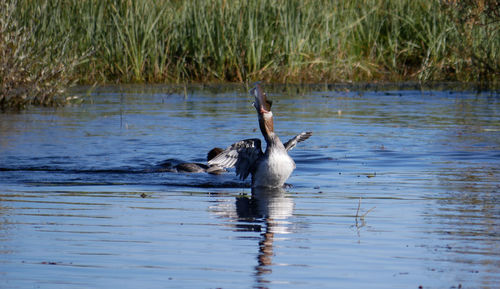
274 170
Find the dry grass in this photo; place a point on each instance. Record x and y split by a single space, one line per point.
31 74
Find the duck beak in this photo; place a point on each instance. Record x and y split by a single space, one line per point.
261 104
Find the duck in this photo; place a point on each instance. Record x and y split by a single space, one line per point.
270 168
183 167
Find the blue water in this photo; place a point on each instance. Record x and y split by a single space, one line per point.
397 188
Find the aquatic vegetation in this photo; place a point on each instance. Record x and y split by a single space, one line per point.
278 41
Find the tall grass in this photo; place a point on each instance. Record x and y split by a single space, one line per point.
477 24
278 41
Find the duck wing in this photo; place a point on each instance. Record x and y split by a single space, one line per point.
241 155
296 139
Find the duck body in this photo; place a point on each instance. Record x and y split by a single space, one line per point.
274 167
270 168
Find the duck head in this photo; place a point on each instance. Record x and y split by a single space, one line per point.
263 107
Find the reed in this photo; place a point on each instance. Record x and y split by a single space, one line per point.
278 41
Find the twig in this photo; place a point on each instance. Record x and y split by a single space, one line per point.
359 205
362 217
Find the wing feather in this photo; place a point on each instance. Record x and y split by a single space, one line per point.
296 139
241 155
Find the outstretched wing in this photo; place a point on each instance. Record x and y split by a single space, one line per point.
296 139
241 155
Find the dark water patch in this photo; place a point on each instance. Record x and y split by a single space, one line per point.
49 176
75 171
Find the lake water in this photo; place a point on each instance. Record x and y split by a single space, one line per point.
397 188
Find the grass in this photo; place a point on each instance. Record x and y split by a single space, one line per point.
276 41
32 71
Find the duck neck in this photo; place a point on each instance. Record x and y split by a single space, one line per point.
266 125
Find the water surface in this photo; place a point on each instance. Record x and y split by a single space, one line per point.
397 188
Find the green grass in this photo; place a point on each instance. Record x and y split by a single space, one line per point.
276 41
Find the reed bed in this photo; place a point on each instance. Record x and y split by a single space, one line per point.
277 41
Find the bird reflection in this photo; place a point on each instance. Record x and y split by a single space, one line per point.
266 211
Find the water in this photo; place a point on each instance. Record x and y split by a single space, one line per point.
395 189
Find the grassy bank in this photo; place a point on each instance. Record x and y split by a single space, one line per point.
278 41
